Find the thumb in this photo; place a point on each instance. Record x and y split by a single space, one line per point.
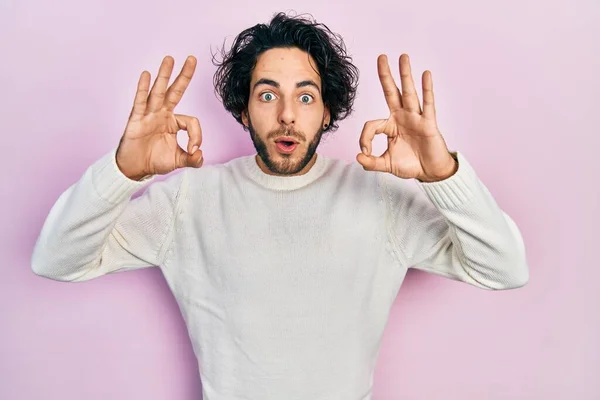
193 160
372 163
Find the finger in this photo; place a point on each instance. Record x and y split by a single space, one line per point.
428 100
157 94
410 98
176 90
370 129
392 95
139 103
192 126
374 163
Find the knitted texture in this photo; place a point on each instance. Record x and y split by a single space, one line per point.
285 283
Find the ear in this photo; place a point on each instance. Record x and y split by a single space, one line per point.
326 117
245 118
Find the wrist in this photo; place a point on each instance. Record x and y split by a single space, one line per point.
447 172
130 173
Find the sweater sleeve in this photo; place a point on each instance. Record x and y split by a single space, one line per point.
95 228
454 228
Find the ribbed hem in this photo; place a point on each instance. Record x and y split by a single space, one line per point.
110 183
283 183
455 191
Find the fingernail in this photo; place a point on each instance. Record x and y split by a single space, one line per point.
194 149
364 150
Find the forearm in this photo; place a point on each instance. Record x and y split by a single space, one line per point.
455 228
78 227
483 243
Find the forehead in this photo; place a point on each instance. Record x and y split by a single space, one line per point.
286 65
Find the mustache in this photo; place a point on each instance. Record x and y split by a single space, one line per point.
282 131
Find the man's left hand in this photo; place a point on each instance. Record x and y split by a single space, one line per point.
416 148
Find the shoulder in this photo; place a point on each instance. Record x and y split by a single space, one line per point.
217 174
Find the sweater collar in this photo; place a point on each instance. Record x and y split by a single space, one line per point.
275 182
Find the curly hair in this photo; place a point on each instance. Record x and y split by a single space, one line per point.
339 77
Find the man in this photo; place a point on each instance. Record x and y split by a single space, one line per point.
285 263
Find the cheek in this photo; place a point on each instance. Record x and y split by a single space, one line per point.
310 116
262 115
262 108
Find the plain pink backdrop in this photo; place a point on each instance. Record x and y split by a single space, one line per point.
516 86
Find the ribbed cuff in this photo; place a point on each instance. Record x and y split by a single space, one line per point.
455 191
110 183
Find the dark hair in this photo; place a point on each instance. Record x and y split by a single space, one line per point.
339 77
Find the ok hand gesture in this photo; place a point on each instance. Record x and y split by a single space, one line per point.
415 147
149 144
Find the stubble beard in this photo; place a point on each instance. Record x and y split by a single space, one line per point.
285 164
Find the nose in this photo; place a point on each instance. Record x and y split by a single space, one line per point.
287 115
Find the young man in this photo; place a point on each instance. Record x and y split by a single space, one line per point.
285 263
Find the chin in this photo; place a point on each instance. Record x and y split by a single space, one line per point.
286 164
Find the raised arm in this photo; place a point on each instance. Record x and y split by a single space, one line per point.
456 229
95 228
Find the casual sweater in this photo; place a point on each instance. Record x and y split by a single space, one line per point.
285 283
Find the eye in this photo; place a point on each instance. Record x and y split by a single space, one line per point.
306 99
267 96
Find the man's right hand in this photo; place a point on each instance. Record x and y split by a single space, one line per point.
149 144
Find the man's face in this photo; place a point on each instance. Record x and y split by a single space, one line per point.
285 106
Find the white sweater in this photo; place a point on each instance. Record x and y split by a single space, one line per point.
285 283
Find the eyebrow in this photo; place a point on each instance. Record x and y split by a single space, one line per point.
271 82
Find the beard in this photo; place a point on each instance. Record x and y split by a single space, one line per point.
285 164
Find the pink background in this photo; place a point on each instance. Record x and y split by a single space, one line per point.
516 90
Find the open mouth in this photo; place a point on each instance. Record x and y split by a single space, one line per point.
286 146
